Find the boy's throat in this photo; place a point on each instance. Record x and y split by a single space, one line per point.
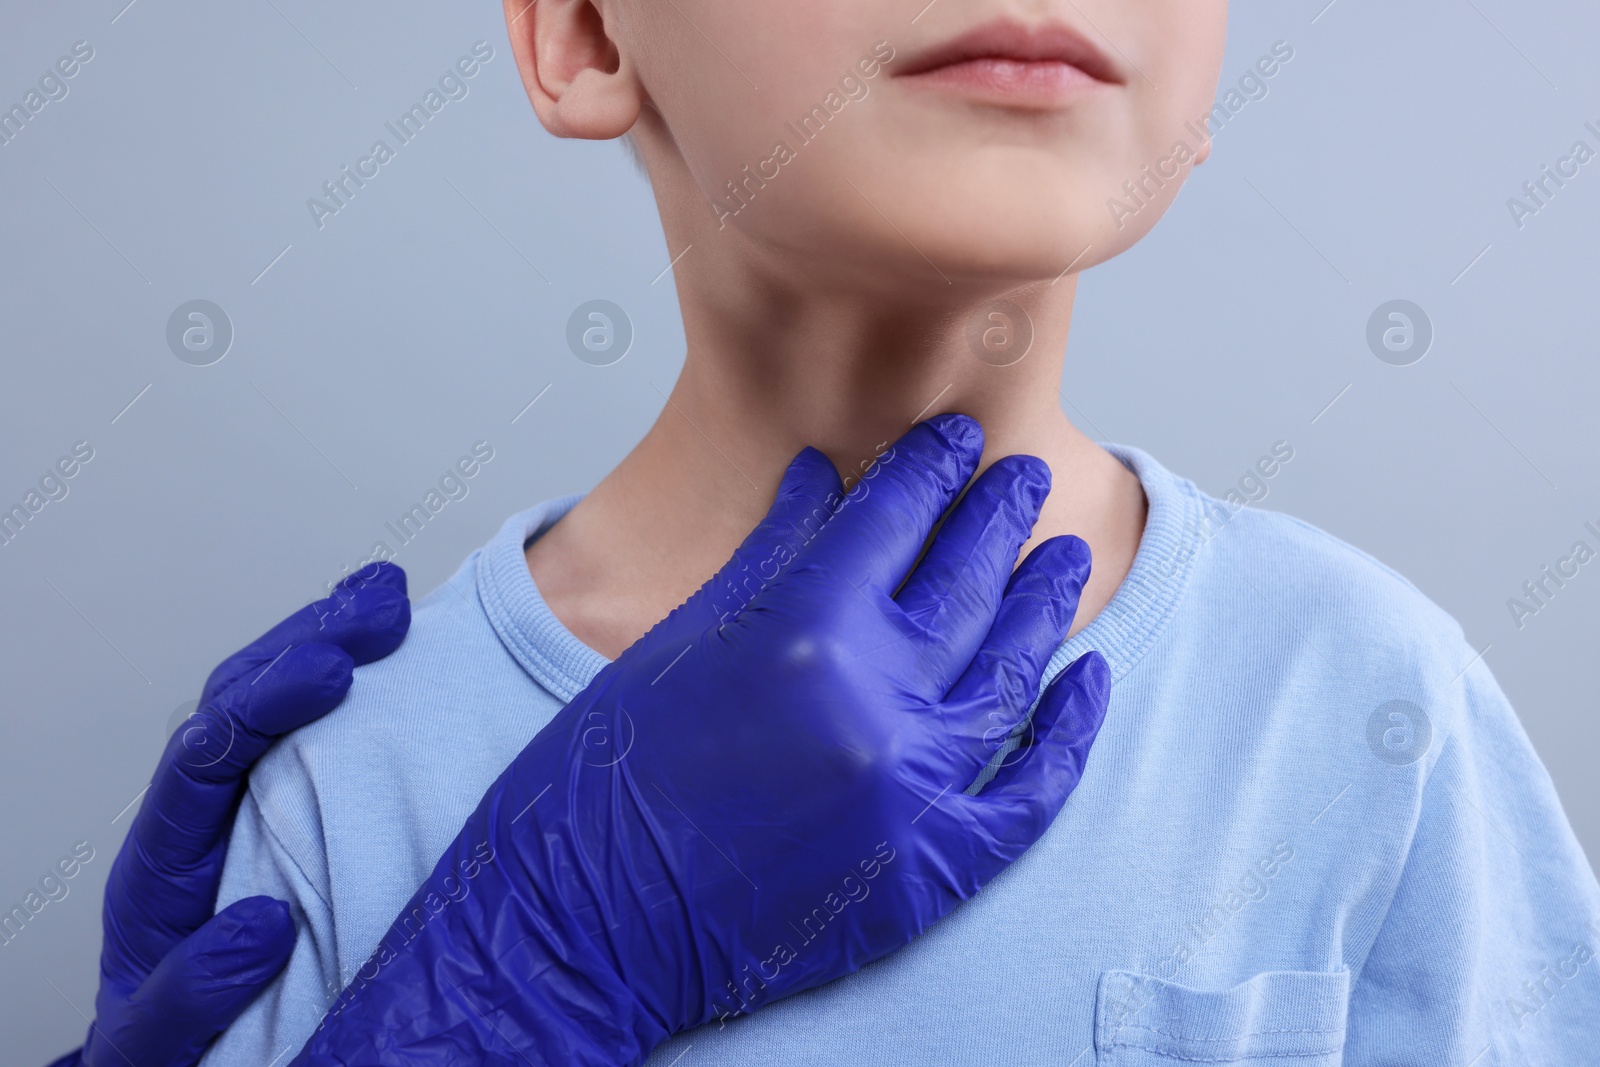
668 517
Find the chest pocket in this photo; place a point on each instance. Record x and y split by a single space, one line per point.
1276 1019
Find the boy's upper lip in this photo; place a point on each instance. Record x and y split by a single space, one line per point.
1007 38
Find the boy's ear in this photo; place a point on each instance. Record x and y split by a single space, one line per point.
578 80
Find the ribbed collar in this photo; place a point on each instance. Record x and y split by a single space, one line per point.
530 631
1123 632
1137 613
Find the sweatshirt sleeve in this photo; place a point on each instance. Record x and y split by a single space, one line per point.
1487 953
280 1021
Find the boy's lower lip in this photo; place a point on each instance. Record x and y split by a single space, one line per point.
1017 82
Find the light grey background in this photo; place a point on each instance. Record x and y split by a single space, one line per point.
428 313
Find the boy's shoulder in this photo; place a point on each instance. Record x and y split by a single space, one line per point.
1235 573
1317 577
1314 643
1330 621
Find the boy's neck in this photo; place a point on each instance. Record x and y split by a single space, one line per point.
846 377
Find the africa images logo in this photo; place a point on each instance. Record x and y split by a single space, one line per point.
1399 733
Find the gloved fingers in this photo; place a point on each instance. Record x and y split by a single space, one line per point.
955 591
164 882
150 907
199 988
367 615
993 695
226 735
877 534
807 495
1022 800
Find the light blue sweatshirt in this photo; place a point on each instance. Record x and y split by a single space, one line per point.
1311 832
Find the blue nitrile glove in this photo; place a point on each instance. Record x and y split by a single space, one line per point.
763 793
172 975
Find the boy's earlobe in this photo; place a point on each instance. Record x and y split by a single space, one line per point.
574 73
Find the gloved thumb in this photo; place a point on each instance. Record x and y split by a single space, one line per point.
201 986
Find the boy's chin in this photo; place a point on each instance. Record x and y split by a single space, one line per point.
979 254
999 233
